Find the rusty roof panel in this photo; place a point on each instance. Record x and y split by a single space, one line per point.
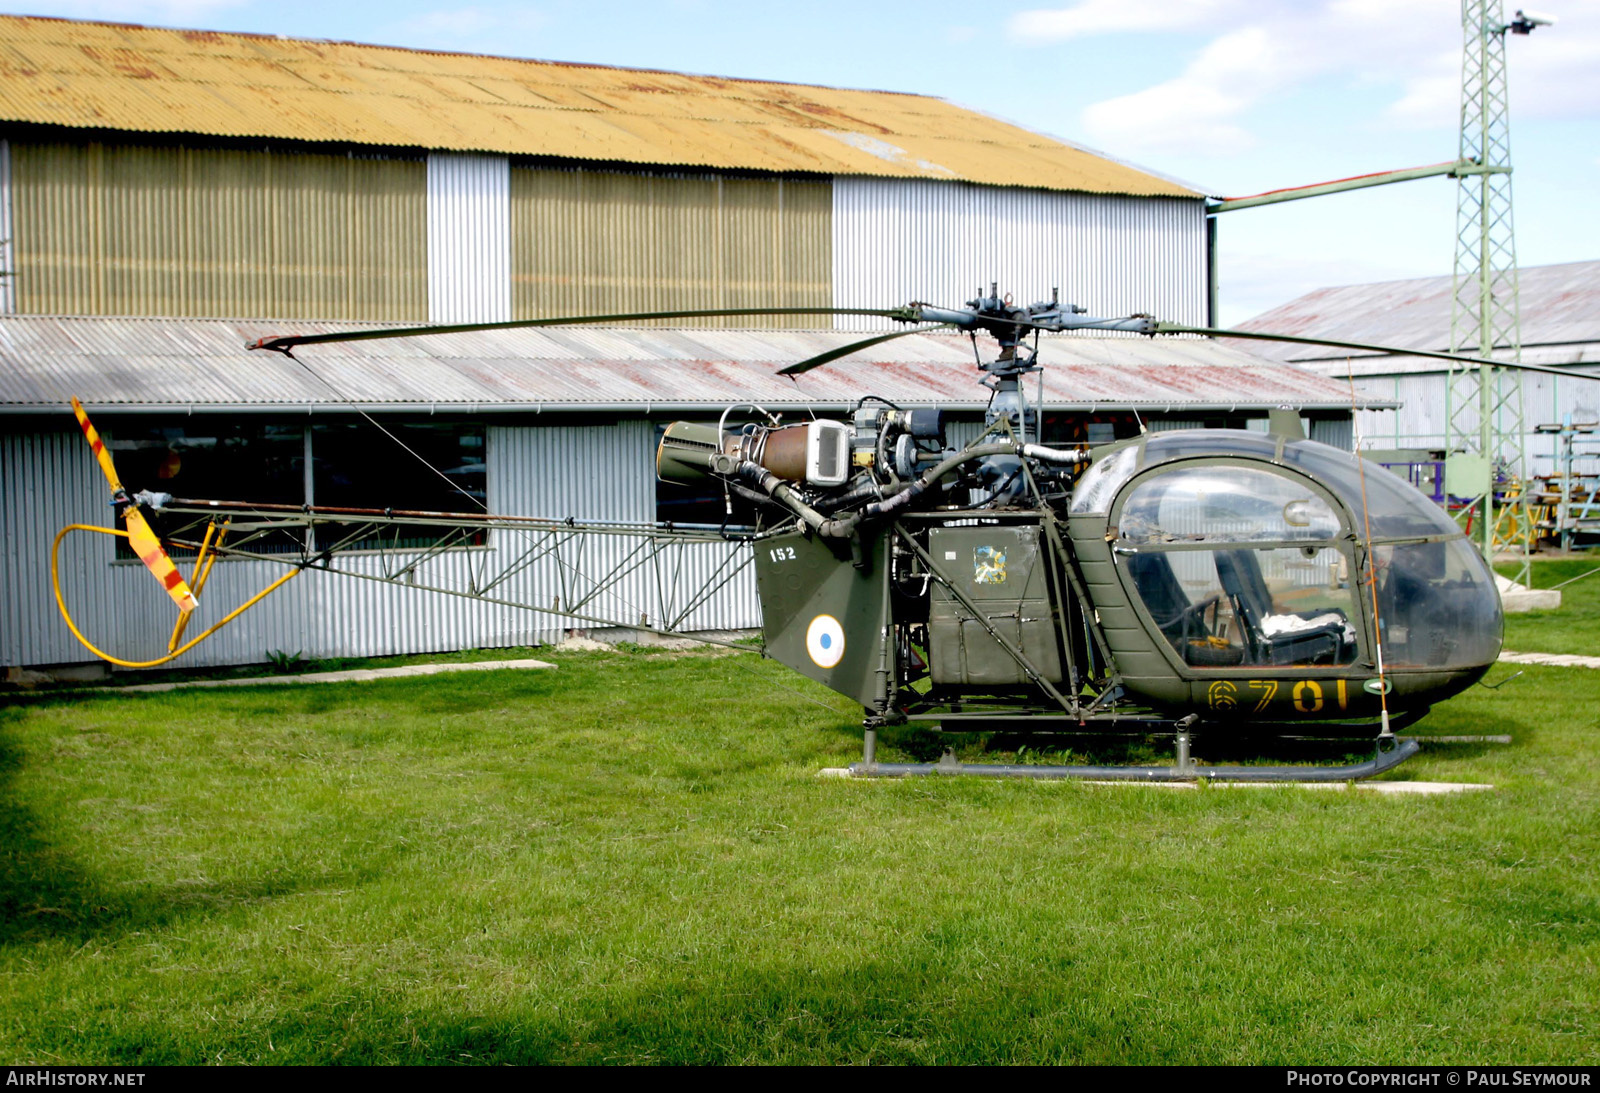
1560 306
147 79
201 364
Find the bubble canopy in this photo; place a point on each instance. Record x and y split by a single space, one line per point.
1245 551
1383 506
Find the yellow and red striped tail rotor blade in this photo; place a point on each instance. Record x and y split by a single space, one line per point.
140 537
148 548
99 446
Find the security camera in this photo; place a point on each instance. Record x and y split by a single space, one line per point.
1527 20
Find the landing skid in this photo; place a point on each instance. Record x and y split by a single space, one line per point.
1391 752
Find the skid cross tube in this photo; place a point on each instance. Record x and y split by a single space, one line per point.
1381 762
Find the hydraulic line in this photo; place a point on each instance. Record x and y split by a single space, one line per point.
842 527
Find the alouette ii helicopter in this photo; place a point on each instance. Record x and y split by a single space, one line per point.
1217 581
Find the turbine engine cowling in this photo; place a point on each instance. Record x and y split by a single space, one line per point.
816 452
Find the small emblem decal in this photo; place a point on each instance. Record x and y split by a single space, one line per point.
988 565
825 641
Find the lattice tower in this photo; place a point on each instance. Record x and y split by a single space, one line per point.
1484 416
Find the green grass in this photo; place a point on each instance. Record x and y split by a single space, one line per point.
278 662
1575 626
631 859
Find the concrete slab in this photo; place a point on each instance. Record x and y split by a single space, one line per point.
356 675
1387 788
1425 789
1554 660
584 645
1516 598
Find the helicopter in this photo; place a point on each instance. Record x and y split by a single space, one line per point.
1223 582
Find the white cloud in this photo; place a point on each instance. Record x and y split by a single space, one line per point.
1273 47
1552 73
1185 116
1430 100
1042 25
1555 72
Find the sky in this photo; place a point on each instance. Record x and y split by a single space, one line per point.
1231 96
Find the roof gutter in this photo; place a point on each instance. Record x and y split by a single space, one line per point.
1157 405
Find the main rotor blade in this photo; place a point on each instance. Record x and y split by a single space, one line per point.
845 350
1215 332
289 341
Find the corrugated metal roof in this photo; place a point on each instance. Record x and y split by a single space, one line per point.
146 79
140 363
1560 308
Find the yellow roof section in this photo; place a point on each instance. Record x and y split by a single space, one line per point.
147 79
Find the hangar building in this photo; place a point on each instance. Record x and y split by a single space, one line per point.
167 195
1560 312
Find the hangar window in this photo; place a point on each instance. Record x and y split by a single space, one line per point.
221 460
355 466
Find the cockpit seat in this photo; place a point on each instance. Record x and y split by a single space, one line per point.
1180 620
1316 637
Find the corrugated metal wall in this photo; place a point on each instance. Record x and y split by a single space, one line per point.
596 242
1338 432
1546 399
606 472
469 238
590 472
129 230
900 240
1420 423
7 296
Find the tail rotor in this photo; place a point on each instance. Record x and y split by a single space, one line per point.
141 537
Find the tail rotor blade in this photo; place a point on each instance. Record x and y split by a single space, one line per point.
148 548
98 445
140 536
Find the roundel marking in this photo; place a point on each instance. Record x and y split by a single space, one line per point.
825 641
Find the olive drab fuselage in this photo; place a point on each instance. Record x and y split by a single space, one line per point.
1236 575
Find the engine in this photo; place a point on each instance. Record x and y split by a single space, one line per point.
829 475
